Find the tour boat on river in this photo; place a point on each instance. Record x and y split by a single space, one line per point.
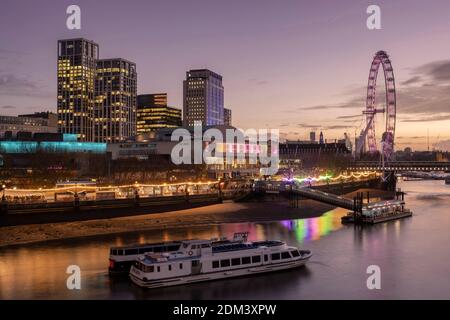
204 260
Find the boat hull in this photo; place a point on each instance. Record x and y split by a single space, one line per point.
375 220
223 274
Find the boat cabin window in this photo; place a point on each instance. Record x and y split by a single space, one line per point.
275 256
285 255
158 268
225 263
215 264
195 263
205 245
245 260
295 253
149 268
256 259
137 264
170 267
181 266
236 261
266 257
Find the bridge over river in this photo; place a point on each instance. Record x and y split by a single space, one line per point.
399 166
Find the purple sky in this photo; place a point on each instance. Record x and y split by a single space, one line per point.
293 65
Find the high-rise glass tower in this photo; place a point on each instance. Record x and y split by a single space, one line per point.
115 100
76 75
203 98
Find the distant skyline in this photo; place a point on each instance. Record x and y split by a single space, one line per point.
293 65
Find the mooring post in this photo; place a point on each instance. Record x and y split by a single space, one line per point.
4 205
186 195
220 194
136 197
76 201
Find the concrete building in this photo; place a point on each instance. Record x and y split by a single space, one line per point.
11 126
311 154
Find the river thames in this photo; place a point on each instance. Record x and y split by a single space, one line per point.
412 253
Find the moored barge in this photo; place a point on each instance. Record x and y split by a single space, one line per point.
378 212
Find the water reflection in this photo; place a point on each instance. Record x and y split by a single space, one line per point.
411 253
314 228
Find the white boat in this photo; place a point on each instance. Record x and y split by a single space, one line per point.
121 258
204 260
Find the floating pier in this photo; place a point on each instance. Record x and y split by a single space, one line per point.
377 212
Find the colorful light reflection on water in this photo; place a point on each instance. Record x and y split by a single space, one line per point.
314 228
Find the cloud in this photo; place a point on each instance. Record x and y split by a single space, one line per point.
425 97
309 126
13 85
355 116
436 70
258 82
349 105
337 126
413 80
323 127
415 137
427 118
7 107
11 81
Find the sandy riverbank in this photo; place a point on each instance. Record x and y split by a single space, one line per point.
218 213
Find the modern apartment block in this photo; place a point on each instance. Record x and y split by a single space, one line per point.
77 61
153 113
227 117
115 100
203 98
96 98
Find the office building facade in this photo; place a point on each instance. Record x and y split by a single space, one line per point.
153 113
227 117
115 100
77 60
203 98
